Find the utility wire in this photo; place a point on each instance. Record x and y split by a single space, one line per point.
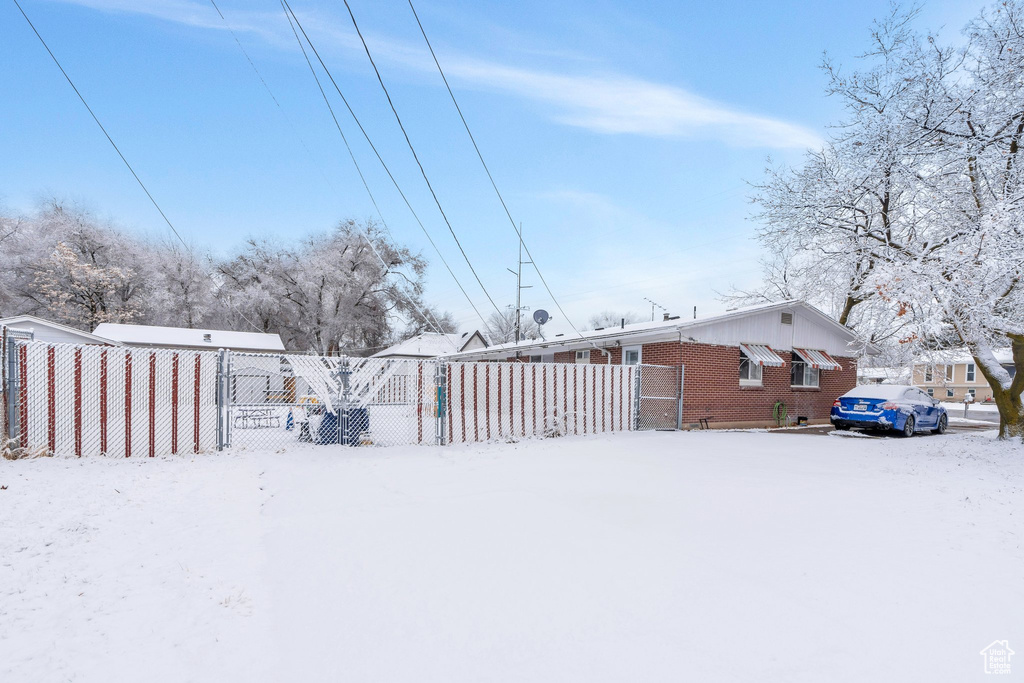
365 234
96 119
416 157
379 157
490 177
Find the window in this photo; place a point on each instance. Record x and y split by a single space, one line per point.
949 373
931 392
750 372
631 355
535 359
949 393
583 356
970 372
801 373
928 373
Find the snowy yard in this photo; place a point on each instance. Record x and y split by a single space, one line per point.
633 557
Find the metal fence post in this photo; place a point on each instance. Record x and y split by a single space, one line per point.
636 397
11 384
679 402
440 394
223 399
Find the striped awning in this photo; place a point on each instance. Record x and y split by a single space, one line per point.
818 359
762 355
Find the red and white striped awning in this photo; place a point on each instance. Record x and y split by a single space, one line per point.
818 359
762 355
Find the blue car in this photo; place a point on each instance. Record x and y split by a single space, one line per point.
903 409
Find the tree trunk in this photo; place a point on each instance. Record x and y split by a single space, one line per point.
1008 400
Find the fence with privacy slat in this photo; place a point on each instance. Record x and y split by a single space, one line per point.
128 402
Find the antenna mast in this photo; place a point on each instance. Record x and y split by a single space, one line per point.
652 307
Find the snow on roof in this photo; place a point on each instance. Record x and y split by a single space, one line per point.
427 345
882 392
1003 356
153 335
882 373
27 322
670 325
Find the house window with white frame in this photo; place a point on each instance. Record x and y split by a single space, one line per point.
802 373
750 372
973 393
949 393
928 377
970 372
949 373
631 355
583 356
931 392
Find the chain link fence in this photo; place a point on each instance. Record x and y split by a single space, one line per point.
659 397
64 399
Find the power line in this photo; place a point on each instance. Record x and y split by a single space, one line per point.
424 315
114 144
480 156
416 157
96 119
379 157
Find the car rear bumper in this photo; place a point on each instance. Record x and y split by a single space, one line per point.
889 419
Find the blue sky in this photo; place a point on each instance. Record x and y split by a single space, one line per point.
621 134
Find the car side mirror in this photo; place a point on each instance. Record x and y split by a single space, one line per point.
936 401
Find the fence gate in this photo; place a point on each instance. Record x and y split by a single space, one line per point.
659 397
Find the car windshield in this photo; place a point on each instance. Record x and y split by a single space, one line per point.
880 392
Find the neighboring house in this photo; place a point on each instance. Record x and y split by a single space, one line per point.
951 375
434 344
737 366
53 333
187 338
883 375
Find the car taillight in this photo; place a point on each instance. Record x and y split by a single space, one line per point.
888 405
837 404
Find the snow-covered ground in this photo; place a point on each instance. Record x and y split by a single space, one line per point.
633 557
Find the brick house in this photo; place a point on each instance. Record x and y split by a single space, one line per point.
736 367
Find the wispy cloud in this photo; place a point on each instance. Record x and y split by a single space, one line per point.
601 103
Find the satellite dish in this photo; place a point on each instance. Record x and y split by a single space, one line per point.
540 316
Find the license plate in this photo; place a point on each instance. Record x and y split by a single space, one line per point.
860 406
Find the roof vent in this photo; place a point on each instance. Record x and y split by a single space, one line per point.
665 317
787 318
208 338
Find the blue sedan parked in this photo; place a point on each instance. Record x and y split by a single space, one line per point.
887 406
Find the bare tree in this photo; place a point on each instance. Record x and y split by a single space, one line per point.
612 319
502 328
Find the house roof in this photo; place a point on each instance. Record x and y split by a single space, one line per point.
153 335
29 322
652 331
959 356
429 345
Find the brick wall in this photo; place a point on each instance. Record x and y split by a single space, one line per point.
712 384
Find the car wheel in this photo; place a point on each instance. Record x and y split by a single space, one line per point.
908 426
941 428
842 428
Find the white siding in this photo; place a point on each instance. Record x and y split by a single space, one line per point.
767 328
46 333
